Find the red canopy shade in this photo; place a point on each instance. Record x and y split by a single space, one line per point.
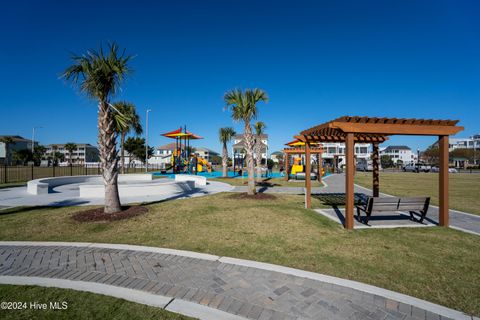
172 134
180 134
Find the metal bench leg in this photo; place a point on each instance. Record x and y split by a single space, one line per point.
367 217
359 216
422 216
412 216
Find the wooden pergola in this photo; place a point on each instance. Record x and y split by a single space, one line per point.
349 130
299 148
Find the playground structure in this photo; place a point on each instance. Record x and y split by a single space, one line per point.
296 149
183 160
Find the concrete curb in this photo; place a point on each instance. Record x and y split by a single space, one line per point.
182 253
170 304
423 304
100 288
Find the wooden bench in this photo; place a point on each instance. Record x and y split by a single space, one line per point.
413 205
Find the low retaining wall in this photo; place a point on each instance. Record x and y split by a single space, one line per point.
199 180
139 189
42 186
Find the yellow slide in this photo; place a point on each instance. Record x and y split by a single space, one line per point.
296 168
201 162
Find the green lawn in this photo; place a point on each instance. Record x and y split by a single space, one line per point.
80 305
436 264
12 184
464 188
270 182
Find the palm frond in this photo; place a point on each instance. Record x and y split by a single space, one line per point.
99 74
126 118
226 134
259 128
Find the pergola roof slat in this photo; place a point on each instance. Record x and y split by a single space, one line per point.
377 129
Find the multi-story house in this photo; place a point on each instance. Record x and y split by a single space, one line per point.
335 151
19 143
206 153
238 149
84 153
162 156
399 154
464 143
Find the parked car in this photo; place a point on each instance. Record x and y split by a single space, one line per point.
437 169
417 167
366 166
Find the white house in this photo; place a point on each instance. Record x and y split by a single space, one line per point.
464 143
399 153
334 150
238 148
84 152
19 143
276 156
205 153
162 156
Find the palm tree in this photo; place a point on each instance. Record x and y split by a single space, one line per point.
7 141
126 120
99 75
259 130
225 135
244 108
70 147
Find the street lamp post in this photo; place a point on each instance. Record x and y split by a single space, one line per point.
146 142
418 160
33 138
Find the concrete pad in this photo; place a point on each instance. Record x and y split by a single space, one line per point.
395 219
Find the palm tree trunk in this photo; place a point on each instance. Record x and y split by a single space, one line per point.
224 161
258 159
122 151
108 158
249 141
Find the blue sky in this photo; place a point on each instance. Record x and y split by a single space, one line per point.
317 60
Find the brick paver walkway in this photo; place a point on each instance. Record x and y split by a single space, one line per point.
249 292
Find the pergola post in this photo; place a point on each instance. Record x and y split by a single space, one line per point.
349 176
375 171
308 181
286 166
443 182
